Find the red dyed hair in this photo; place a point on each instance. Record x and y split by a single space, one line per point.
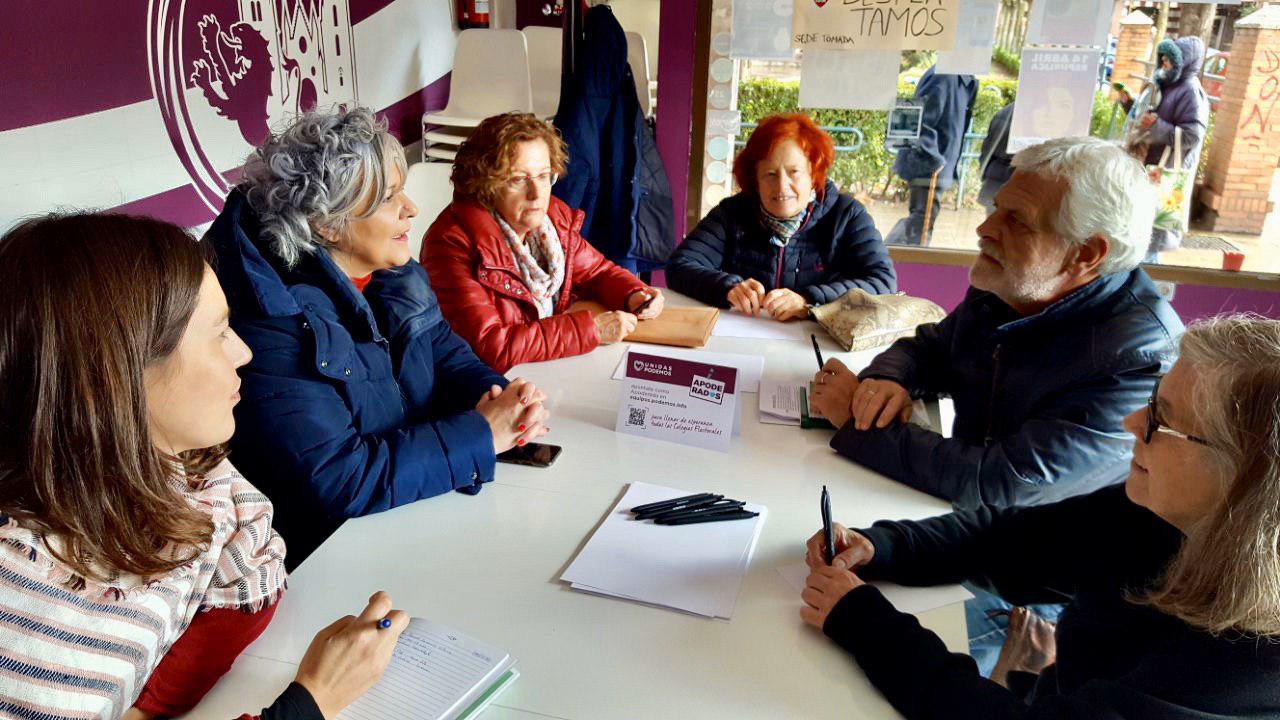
816 145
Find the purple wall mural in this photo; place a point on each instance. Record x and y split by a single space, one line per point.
152 106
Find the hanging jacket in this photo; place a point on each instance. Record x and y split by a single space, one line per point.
353 403
948 106
485 300
838 249
615 175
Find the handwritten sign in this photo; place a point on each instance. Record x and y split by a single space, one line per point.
680 401
875 24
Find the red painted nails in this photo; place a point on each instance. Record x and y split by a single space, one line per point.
520 441
521 427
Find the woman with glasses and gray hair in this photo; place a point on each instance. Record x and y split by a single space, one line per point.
359 397
507 259
1173 577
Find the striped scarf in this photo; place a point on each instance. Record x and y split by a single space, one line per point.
784 228
540 260
75 648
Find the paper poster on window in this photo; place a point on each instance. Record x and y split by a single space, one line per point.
849 80
975 34
875 24
762 30
1055 96
1070 22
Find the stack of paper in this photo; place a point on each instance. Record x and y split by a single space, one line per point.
781 403
695 568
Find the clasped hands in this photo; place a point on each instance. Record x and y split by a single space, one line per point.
841 397
515 415
749 298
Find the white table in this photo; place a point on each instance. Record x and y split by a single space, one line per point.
489 564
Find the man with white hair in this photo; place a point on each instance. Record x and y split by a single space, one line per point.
1060 336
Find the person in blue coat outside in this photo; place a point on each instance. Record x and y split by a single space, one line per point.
359 397
789 239
931 165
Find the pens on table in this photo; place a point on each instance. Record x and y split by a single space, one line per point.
712 517
817 353
712 502
828 542
675 501
718 506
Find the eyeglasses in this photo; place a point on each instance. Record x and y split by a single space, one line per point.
516 183
1155 425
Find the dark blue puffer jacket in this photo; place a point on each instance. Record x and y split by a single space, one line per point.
837 250
353 403
948 106
1039 400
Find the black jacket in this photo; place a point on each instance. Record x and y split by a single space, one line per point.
1039 400
837 250
1116 660
615 175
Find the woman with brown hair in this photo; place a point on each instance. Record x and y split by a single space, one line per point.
1173 578
506 258
135 562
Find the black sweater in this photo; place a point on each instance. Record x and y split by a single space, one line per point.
1115 659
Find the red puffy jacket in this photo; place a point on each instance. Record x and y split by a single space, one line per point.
486 302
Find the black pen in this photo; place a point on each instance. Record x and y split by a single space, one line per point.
829 542
817 353
683 507
712 517
674 501
719 506
641 307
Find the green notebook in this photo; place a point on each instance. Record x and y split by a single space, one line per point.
436 673
811 421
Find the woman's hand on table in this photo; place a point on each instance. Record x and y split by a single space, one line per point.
747 297
614 326
347 658
879 402
833 391
653 296
783 304
853 550
823 589
515 415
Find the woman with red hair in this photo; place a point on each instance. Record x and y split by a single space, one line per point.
789 239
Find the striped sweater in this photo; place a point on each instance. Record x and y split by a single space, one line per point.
78 649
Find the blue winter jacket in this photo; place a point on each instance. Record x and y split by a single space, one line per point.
353 403
1039 400
1183 105
838 249
948 106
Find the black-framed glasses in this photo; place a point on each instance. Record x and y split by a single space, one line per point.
1155 425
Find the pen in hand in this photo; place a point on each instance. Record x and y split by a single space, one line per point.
817 353
828 540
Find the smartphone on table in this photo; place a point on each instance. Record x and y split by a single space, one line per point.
535 454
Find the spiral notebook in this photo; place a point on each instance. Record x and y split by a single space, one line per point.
436 673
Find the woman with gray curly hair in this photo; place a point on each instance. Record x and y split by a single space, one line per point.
359 396
1172 578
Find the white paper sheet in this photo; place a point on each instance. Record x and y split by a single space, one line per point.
762 30
780 403
964 61
732 323
696 568
750 367
866 80
907 599
1069 22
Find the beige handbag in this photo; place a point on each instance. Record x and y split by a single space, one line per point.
859 320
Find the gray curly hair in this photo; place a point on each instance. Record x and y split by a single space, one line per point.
317 175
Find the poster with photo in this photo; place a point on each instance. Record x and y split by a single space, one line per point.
875 24
1055 95
1070 22
762 30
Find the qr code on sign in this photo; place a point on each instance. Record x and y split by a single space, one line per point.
635 416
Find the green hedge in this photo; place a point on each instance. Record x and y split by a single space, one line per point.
870 169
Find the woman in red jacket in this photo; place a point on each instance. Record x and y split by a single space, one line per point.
506 259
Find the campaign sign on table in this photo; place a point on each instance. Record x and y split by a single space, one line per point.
682 401
875 24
